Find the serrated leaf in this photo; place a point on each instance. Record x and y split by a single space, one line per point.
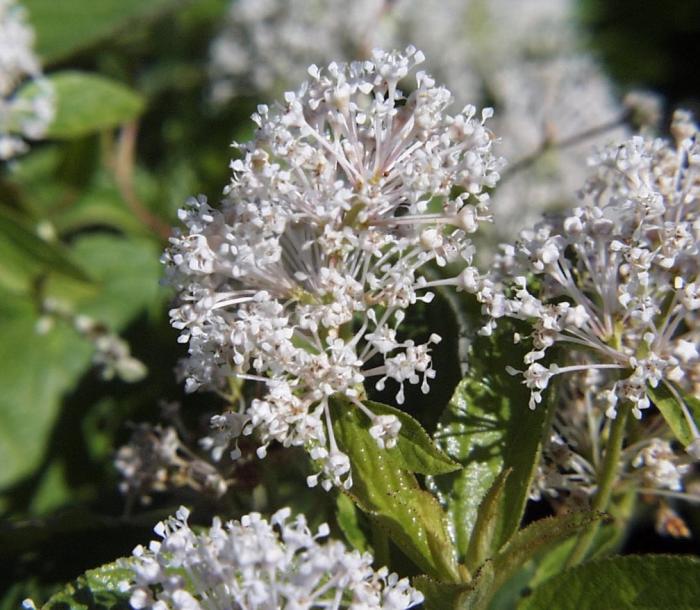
98 588
390 494
608 538
649 581
667 404
488 428
523 546
87 103
66 26
415 450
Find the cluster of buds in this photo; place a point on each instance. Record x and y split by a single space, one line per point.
300 280
112 355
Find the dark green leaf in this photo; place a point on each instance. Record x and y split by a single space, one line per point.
489 428
87 103
415 450
389 493
66 26
647 581
673 412
98 588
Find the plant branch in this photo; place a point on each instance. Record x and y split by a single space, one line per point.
606 482
124 163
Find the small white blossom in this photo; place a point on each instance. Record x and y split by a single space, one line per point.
23 116
254 563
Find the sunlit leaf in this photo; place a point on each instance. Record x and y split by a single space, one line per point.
672 411
415 450
488 428
98 588
389 493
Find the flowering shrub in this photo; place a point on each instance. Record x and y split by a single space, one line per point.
448 421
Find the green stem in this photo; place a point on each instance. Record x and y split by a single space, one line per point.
606 482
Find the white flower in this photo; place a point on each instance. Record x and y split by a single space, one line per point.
524 56
571 457
617 276
21 116
253 563
660 466
300 280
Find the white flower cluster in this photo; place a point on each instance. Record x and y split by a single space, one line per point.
253 564
523 57
28 115
300 280
573 454
617 278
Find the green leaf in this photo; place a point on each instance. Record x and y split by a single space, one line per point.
87 103
607 540
488 428
38 369
524 546
47 256
390 494
649 581
67 26
667 404
486 536
98 588
349 523
415 450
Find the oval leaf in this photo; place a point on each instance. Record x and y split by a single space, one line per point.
488 428
87 103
